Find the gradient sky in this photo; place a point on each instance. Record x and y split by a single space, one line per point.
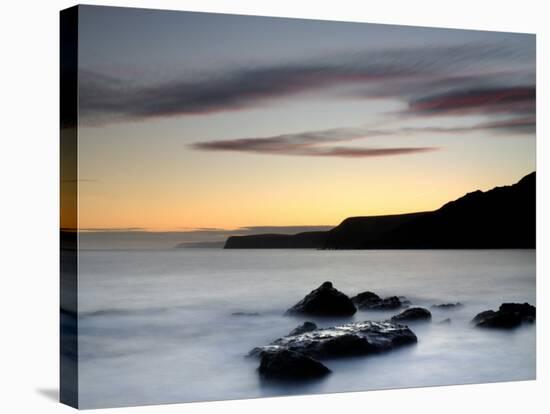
210 121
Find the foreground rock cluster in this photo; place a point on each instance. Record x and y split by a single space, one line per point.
298 355
307 348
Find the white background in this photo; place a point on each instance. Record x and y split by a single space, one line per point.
29 192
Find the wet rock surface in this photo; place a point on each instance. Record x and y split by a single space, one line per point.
412 315
324 301
371 301
287 365
361 338
509 315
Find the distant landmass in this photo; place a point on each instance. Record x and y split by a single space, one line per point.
305 240
503 217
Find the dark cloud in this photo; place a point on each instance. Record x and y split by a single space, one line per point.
318 143
311 143
495 80
509 100
348 152
106 99
512 125
525 125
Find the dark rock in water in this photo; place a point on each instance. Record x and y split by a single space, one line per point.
352 339
303 328
324 301
393 302
413 314
371 301
483 316
526 311
287 364
245 314
366 298
509 315
447 306
499 320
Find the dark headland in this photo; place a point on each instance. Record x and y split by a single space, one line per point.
503 217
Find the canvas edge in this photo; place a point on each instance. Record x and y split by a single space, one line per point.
68 111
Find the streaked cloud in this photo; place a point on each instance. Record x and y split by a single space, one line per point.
495 80
509 100
311 143
317 143
105 99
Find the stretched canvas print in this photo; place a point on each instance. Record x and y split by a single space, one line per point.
256 206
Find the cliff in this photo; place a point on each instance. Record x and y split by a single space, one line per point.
503 217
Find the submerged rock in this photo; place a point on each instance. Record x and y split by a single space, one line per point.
393 302
352 339
509 315
447 306
371 301
287 364
245 314
324 301
413 314
445 321
404 300
303 328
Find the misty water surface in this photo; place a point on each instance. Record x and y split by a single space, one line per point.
157 326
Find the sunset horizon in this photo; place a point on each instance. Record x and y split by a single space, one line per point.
315 121
284 226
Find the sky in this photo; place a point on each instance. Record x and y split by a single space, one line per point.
199 122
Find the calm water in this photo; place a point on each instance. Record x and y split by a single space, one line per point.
157 326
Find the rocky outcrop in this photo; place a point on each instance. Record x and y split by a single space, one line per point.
509 315
324 301
412 315
361 338
371 301
286 364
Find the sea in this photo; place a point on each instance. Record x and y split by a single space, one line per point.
175 325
